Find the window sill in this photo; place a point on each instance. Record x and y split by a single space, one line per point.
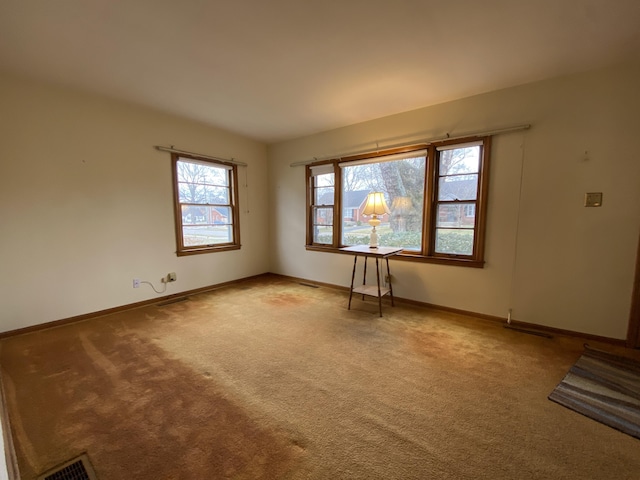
198 251
411 257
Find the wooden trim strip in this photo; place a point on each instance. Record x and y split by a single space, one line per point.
433 306
11 459
407 301
122 308
569 333
410 257
633 332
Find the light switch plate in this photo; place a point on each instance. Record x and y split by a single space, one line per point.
593 199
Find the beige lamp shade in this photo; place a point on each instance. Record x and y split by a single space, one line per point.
401 205
376 204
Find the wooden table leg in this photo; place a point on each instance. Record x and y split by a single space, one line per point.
379 295
390 287
364 276
353 275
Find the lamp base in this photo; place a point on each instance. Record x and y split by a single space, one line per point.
373 241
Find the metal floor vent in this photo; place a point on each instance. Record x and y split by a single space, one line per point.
308 285
78 468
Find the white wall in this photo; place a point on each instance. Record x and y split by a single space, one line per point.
86 203
550 259
86 206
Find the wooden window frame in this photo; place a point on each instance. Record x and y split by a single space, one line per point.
311 205
427 252
232 169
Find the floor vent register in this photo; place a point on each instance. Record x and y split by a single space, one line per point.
78 468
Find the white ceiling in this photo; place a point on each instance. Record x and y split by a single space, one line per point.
280 69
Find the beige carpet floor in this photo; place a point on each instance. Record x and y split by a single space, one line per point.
270 379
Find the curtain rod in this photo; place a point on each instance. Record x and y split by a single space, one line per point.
422 141
184 152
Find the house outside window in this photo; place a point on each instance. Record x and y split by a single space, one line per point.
206 205
436 194
469 211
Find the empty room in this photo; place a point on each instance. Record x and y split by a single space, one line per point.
319 240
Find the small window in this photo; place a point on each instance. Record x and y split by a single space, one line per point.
206 205
458 171
322 203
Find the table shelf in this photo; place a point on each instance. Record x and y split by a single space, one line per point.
379 253
371 290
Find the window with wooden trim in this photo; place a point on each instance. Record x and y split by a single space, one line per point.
458 172
322 204
436 195
206 205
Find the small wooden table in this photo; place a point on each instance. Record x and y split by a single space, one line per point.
371 290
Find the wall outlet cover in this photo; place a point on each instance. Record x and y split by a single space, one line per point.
593 199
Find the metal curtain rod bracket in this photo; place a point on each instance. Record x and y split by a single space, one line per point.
210 157
421 141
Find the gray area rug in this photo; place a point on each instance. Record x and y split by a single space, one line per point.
603 387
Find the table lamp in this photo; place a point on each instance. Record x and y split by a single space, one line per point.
376 205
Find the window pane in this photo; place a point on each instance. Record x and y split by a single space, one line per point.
324 180
322 234
205 215
189 172
199 173
323 216
323 225
193 193
193 215
456 215
459 160
458 187
217 195
458 242
219 215
216 176
324 196
204 194
402 182
200 183
206 235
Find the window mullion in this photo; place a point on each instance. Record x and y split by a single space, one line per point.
483 194
430 195
337 205
310 182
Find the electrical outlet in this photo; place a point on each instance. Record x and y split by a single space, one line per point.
136 282
171 277
593 199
